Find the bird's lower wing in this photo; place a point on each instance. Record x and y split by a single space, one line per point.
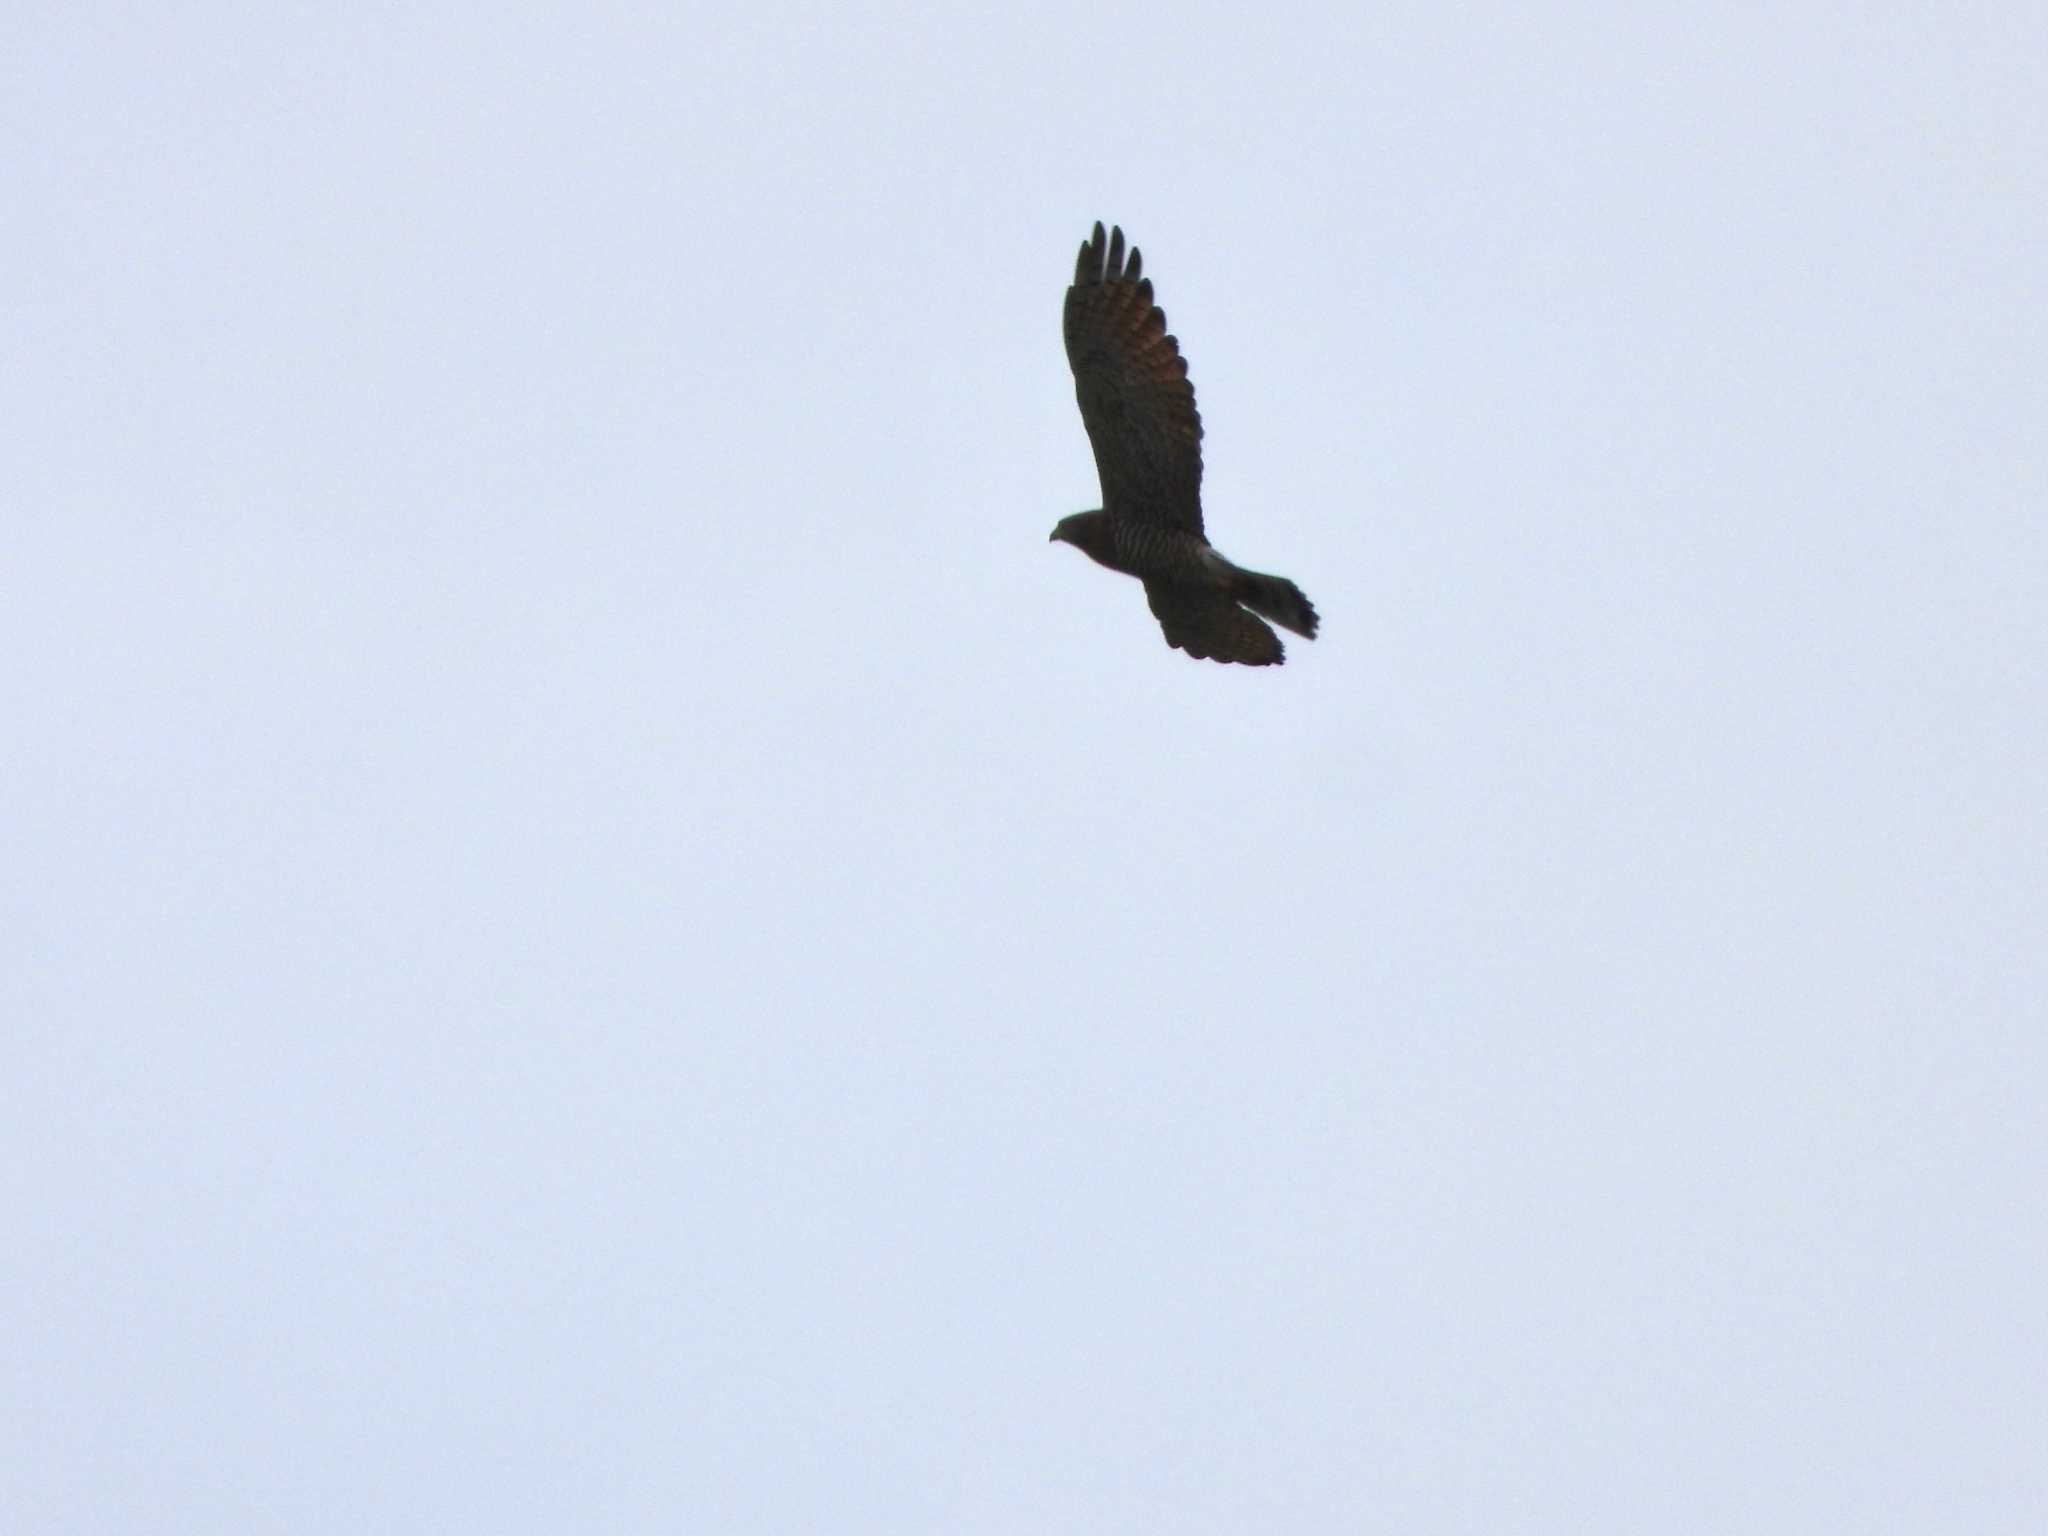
1209 626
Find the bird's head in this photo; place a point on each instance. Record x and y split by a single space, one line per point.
1074 529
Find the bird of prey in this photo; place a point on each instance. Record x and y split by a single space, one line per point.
1139 409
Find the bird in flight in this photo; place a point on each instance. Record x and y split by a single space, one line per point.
1139 409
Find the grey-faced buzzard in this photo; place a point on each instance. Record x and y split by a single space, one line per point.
1139 409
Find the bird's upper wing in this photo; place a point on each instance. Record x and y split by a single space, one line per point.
1133 386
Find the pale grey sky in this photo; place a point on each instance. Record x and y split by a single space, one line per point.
599 935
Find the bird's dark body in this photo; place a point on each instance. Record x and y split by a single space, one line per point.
1139 409
1134 547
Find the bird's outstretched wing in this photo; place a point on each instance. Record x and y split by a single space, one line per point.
1210 627
1133 387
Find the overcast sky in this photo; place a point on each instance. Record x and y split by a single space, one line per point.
600 936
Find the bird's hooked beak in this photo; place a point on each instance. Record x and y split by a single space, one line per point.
1053 537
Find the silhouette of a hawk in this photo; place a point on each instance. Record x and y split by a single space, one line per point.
1139 409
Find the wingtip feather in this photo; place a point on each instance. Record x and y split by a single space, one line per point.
1088 264
1104 258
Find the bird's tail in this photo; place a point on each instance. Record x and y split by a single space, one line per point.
1275 598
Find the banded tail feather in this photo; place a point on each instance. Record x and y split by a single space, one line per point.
1275 598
